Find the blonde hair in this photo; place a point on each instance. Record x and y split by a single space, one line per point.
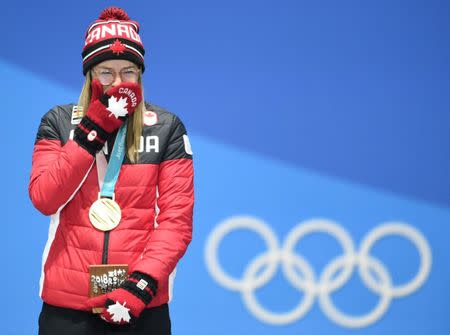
134 128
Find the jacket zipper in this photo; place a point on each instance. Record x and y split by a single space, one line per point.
105 248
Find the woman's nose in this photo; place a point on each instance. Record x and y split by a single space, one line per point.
117 81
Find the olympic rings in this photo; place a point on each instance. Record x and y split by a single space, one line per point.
307 283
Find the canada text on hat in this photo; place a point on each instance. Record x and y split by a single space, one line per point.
112 29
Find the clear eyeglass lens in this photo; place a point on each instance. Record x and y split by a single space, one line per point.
129 75
107 77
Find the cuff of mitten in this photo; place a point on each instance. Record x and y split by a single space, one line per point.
90 136
142 286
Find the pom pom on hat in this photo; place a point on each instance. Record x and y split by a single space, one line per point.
112 36
114 13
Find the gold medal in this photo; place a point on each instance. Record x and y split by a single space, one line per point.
105 214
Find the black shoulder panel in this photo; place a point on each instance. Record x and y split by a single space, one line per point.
55 124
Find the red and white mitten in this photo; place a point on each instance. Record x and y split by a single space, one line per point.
125 304
106 113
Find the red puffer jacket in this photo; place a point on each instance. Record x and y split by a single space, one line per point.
64 184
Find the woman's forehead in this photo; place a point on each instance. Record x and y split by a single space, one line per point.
116 64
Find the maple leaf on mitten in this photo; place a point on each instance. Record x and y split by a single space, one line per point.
125 304
117 107
119 312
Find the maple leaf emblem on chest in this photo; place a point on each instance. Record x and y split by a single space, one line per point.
119 312
117 107
117 47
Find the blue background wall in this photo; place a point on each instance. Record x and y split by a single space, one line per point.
296 111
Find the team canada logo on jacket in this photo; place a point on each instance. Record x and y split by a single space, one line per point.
150 118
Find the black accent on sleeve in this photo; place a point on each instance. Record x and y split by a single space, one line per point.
48 128
176 145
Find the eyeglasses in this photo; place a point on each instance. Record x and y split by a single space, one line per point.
108 76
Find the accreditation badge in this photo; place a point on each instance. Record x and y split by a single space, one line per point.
105 214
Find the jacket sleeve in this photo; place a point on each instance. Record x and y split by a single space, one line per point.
173 234
57 170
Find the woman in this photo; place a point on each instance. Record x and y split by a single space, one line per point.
116 176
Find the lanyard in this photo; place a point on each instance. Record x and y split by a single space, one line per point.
107 180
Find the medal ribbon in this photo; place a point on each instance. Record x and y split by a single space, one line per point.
115 162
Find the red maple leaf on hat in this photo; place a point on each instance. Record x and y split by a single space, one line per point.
117 47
